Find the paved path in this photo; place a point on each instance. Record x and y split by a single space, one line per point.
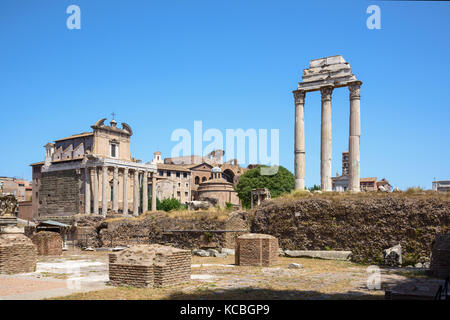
55 277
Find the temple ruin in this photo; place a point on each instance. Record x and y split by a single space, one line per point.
326 74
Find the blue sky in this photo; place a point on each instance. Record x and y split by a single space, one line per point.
160 65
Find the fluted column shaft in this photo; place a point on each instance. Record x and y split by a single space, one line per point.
87 191
96 191
125 191
354 139
104 190
145 192
136 193
115 206
326 145
299 144
153 191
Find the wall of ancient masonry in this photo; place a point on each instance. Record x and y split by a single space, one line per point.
172 268
59 193
48 243
440 256
256 250
131 275
17 254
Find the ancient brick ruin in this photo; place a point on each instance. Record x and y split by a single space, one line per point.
149 266
17 254
440 256
48 243
254 249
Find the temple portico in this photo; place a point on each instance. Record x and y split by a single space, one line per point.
119 180
325 75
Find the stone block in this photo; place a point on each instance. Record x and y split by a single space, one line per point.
149 266
254 249
321 254
48 243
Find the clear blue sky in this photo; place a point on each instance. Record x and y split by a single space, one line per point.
160 65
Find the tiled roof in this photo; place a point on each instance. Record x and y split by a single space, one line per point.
174 167
80 135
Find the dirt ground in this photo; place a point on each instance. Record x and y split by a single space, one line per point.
219 278
84 275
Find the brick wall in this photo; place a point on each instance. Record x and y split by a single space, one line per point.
440 256
59 193
17 254
48 243
256 250
149 266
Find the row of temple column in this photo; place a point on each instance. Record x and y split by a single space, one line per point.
136 174
326 145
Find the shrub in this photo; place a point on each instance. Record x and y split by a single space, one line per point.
279 183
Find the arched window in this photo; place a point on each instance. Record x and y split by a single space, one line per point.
197 180
203 179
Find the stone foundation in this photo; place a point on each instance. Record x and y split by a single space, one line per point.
48 243
255 249
149 266
18 254
440 256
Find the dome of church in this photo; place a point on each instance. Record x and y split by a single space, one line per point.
216 169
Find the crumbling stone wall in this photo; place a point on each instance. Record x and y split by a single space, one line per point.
59 193
366 224
155 228
17 254
149 266
440 258
48 243
256 250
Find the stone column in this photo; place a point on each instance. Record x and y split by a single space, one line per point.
95 195
299 145
136 193
326 149
355 134
87 191
153 191
115 207
145 192
125 191
104 190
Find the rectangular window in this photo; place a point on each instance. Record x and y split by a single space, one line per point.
168 173
178 174
113 150
185 175
161 173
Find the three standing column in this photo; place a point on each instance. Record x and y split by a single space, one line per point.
325 138
299 146
354 138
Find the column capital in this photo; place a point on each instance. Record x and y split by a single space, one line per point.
355 90
299 96
326 93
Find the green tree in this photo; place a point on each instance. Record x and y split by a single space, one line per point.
313 188
281 182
